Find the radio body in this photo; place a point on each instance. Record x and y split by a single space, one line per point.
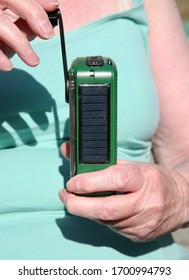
91 91
93 113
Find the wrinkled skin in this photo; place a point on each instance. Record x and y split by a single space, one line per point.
154 198
151 202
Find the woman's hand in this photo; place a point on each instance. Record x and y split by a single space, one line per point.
21 21
153 200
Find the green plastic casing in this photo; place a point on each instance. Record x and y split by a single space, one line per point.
93 110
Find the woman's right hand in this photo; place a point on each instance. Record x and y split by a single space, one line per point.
20 22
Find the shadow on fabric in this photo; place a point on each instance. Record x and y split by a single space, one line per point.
89 232
31 98
21 93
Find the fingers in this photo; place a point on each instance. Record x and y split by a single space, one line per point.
5 63
65 150
36 23
48 5
99 208
145 209
127 177
12 37
33 12
121 213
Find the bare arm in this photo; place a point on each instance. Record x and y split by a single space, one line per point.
169 53
155 197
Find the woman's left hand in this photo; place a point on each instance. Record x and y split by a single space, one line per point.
152 199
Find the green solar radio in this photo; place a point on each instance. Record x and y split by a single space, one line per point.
91 91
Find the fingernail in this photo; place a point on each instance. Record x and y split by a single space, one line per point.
62 195
67 185
33 58
29 56
54 3
46 29
5 63
73 184
8 67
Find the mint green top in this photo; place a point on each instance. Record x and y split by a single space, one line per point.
35 121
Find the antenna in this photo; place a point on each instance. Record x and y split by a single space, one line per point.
54 18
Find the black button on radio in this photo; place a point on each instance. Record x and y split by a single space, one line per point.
94 61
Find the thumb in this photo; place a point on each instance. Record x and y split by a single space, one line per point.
120 178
